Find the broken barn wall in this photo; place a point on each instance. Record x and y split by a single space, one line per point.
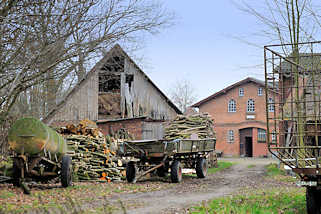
81 103
139 128
152 130
141 98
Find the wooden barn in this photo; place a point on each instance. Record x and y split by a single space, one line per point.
115 88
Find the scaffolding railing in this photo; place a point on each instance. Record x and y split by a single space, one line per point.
293 103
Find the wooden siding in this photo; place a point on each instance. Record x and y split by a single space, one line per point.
122 83
145 98
81 104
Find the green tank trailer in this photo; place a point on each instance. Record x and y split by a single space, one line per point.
39 153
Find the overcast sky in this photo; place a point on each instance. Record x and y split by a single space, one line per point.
202 49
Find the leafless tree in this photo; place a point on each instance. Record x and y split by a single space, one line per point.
183 94
285 21
289 22
47 45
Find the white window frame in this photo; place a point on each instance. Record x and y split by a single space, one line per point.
271 105
250 105
230 136
231 106
273 136
261 135
260 92
241 92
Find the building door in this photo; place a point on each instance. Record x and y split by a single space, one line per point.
246 142
248 147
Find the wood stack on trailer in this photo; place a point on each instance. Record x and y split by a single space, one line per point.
197 126
182 127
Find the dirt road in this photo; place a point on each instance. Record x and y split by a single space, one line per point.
193 190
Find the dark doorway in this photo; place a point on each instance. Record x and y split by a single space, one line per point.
246 142
248 147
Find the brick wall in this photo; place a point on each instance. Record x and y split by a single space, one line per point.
134 127
225 121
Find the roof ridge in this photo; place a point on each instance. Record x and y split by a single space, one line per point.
226 89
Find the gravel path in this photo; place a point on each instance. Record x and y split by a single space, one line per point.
193 190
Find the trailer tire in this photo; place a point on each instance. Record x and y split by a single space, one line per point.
131 172
201 167
313 200
176 172
66 171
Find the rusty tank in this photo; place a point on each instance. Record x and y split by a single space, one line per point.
40 153
31 136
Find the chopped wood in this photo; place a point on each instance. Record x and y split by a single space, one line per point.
182 127
93 157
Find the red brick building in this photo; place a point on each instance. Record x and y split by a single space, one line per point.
239 114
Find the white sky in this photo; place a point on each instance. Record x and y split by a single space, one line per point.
201 47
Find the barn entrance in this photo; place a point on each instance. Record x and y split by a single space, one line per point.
246 142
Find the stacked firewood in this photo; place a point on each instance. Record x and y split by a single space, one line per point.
92 157
182 127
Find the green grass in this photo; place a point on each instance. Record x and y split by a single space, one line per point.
278 174
221 165
250 166
282 200
272 169
6 194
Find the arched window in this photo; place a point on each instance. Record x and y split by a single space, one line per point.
250 105
271 105
231 106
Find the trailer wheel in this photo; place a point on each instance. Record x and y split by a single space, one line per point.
313 200
201 167
131 172
176 172
66 171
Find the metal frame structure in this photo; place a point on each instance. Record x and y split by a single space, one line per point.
294 128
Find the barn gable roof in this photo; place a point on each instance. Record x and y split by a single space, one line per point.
116 50
225 90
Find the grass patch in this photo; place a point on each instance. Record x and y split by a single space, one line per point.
250 166
278 174
6 194
221 165
284 200
272 169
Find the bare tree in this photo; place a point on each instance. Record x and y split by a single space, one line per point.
49 43
289 22
183 94
285 21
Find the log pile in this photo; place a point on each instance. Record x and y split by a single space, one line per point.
182 127
92 158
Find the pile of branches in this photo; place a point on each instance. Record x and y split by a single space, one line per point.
183 126
92 158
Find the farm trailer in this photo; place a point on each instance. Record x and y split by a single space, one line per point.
162 155
294 112
40 153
